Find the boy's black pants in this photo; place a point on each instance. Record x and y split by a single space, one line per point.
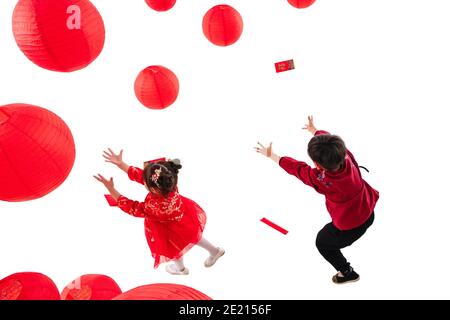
330 240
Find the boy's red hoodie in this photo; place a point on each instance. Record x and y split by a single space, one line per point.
349 199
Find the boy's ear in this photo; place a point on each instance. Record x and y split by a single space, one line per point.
318 166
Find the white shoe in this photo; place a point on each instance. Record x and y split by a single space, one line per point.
172 269
212 259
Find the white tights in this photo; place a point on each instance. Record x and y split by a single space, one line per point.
203 243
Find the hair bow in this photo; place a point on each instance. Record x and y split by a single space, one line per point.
155 176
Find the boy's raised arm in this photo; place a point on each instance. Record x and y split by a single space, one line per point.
299 169
312 128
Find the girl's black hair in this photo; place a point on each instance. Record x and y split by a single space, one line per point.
168 176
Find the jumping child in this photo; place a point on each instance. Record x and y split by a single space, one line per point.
173 223
349 199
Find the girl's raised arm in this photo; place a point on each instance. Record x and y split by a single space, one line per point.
116 159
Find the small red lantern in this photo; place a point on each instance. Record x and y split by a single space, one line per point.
37 152
162 291
222 25
28 286
301 4
161 5
156 87
91 287
59 35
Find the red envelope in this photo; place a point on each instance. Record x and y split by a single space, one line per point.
111 201
284 66
275 226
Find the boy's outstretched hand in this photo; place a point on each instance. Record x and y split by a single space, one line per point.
267 151
310 125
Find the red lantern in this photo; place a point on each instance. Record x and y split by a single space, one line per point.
301 4
91 287
28 286
161 5
162 291
222 25
37 152
156 87
59 35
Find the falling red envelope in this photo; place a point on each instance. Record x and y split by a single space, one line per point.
284 66
275 226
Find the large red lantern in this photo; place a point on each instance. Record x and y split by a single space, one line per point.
91 287
222 25
37 152
163 291
28 286
59 35
156 87
301 4
161 5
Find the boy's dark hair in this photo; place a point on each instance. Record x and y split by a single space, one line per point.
167 179
328 151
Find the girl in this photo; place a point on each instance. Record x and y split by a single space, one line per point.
173 223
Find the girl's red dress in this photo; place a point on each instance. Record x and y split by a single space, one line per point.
173 223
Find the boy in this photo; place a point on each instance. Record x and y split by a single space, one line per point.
349 199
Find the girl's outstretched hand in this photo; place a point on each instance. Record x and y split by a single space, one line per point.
265 151
109 184
310 125
113 158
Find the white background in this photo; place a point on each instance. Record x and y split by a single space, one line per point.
375 72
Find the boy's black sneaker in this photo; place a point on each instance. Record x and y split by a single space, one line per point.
349 276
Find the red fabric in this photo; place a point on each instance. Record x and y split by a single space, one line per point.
111 201
301 3
28 286
156 87
161 5
173 224
153 161
41 29
222 25
349 199
163 291
37 152
91 287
